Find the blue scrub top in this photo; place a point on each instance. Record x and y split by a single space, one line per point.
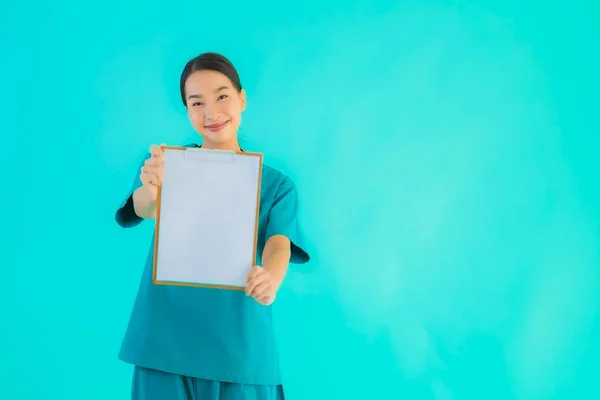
214 334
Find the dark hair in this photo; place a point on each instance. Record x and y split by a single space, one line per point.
212 62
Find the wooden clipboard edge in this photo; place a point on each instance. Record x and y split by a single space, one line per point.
259 184
157 226
202 285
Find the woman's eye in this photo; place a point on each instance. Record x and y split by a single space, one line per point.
223 96
196 104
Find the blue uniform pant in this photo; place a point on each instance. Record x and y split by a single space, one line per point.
150 384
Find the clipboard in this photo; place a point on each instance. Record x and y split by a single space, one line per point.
206 226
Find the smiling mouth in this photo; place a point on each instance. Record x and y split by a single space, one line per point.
216 127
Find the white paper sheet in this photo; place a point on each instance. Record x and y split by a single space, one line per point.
207 221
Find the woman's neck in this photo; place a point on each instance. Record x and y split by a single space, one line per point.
234 146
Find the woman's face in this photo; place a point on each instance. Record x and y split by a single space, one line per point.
215 108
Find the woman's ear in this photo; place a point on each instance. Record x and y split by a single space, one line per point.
243 99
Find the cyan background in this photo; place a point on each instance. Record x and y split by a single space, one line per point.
445 157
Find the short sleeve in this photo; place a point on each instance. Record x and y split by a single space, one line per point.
125 215
283 220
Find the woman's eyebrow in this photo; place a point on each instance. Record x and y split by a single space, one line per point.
199 96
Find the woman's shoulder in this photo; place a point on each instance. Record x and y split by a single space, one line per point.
276 177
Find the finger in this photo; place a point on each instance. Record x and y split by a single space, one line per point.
256 276
261 290
154 161
151 169
254 271
156 151
265 300
254 282
150 179
251 286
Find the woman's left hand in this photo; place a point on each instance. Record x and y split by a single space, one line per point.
261 285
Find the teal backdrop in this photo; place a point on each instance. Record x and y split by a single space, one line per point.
445 155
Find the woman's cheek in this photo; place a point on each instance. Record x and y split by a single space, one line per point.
197 118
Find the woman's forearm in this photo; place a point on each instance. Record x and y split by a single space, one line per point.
144 204
276 257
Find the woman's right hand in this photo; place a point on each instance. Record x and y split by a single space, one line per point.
151 173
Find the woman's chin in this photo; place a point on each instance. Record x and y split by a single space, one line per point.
217 140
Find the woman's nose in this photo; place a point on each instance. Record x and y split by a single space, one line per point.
211 112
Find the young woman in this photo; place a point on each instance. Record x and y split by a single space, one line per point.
200 343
